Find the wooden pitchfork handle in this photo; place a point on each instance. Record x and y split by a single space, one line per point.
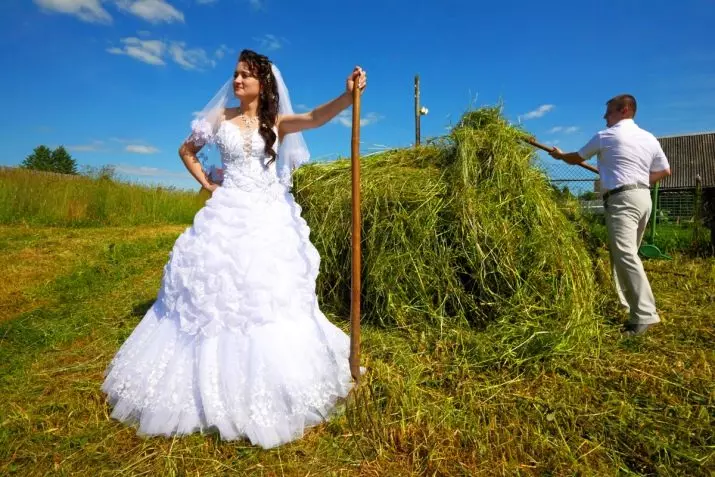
355 285
534 143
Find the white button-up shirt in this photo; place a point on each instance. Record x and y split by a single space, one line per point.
626 153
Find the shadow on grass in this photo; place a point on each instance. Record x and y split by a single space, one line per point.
140 309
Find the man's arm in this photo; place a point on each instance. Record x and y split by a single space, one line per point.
585 153
656 176
660 167
570 157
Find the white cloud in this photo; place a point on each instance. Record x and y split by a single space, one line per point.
565 130
148 171
270 42
190 59
94 146
83 148
154 11
205 2
124 140
222 51
141 149
133 146
156 52
86 10
300 107
538 112
257 4
346 119
148 51
370 118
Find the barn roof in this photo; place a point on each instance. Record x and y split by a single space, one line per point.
689 155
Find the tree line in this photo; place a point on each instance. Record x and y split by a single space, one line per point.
50 160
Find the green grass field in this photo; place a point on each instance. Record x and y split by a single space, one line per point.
434 402
672 238
82 261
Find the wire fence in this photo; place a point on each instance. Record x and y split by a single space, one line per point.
684 218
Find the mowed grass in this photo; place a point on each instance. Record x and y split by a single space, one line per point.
434 402
34 256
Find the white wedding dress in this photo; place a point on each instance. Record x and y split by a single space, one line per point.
236 341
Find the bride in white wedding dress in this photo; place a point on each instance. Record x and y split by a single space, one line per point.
236 341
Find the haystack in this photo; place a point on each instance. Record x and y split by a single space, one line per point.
464 231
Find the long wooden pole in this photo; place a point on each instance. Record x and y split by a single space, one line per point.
537 144
355 282
417 110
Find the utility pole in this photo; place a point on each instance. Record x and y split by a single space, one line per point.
419 110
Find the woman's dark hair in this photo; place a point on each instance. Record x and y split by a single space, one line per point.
260 67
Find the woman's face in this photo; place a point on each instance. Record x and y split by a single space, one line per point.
245 85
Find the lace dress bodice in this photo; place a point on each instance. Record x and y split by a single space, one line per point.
245 161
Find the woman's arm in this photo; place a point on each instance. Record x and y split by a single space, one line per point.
322 114
187 152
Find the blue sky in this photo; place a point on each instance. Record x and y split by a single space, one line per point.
116 81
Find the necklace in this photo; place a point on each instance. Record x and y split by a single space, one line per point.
249 122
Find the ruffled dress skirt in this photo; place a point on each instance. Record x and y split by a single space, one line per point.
235 342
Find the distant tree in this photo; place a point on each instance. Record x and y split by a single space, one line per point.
44 159
39 160
63 162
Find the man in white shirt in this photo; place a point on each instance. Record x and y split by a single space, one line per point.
630 159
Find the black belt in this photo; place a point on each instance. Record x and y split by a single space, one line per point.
624 188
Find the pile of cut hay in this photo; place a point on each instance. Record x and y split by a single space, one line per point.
465 231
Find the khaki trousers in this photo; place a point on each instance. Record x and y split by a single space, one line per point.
627 215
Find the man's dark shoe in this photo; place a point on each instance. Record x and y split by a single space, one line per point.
635 329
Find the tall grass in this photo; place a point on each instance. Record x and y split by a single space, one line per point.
27 197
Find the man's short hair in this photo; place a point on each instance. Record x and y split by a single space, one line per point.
621 101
